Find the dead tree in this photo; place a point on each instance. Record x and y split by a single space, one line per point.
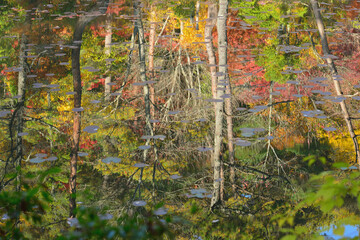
334 72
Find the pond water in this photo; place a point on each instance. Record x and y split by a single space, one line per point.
350 232
162 119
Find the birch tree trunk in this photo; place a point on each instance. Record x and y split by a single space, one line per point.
219 107
197 12
140 31
108 40
326 51
98 10
210 23
230 134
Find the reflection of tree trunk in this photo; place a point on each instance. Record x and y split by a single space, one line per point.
108 39
139 26
212 14
212 61
219 108
20 116
21 101
230 135
269 123
105 182
75 57
197 6
151 60
181 30
334 72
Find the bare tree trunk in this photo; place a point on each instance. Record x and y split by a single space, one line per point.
77 118
151 60
20 117
219 108
181 30
98 10
210 23
326 50
197 6
108 40
230 135
20 112
140 30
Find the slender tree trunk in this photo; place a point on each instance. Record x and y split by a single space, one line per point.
21 101
151 60
326 51
210 23
181 30
75 57
230 135
108 40
140 30
197 6
20 117
105 182
219 108
269 121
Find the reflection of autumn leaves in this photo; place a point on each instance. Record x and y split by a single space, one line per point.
286 139
293 129
191 35
341 144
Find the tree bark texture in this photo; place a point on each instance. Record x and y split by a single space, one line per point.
219 108
326 51
20 117
20 106
108 40
210 23
230 134
197 12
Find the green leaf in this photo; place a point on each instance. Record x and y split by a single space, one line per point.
322 160
340 165
289 237
327 206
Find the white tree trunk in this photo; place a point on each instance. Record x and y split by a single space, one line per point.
210 23
197 12
140 30
219 108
